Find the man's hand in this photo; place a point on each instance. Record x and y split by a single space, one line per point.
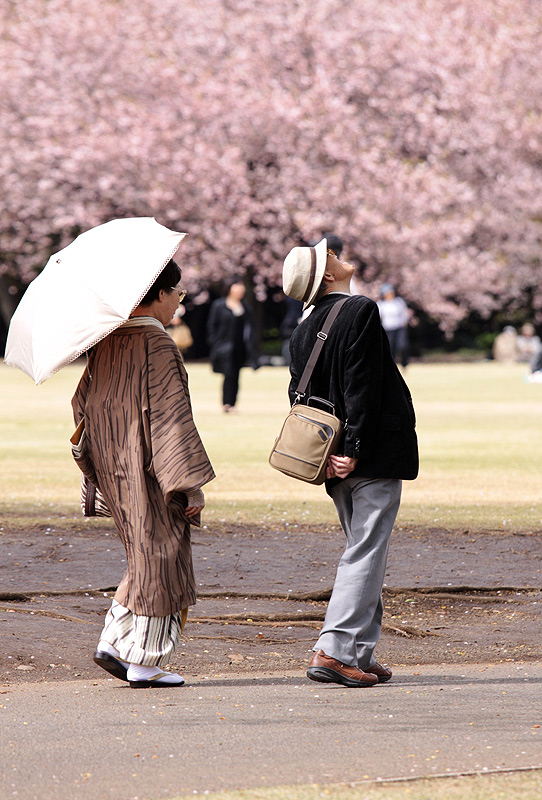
340 466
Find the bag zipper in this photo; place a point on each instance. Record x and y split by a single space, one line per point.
326 428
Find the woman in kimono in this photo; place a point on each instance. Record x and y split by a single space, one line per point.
147 458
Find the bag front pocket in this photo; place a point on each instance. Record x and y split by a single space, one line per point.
325 432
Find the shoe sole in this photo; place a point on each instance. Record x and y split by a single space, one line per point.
111 665
327 675
153 685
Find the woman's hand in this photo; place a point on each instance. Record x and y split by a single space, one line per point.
340 466
193 511
195 503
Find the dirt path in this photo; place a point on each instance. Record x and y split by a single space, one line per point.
450 597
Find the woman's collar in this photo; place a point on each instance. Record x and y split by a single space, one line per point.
135 322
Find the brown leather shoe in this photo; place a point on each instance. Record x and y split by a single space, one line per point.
382 673
328 670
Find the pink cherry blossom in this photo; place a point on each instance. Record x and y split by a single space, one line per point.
411 129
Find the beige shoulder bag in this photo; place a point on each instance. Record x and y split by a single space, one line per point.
309 434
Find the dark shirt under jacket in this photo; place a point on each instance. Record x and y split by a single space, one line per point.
357 373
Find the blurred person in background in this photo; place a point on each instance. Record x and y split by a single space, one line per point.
290 321
231 336
528 346
505 346
295 311
395 317
179 331
334 243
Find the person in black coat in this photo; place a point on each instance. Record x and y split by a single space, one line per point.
357 374
232 341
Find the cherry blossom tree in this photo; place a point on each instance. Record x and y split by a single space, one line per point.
412 129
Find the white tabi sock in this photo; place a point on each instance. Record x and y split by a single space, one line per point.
136 672
105 647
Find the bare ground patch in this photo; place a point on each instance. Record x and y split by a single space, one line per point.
450 597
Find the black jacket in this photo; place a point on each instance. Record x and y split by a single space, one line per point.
357 373
227 356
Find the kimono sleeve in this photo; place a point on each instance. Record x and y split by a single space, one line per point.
79 399
80 449
179 461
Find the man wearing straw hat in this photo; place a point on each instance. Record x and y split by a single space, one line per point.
356 373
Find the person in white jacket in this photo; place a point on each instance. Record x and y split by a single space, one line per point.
394 316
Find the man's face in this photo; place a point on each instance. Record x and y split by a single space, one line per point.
341 270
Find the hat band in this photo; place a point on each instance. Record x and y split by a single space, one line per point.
312 276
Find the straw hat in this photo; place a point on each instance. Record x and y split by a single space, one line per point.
303 271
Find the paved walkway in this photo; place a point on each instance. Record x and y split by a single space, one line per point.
100 739
94 738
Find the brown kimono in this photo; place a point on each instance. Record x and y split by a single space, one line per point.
146 454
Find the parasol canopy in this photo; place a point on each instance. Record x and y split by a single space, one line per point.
86 291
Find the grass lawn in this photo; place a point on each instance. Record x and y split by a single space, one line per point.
478 425
524 785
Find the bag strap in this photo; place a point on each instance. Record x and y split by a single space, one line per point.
321 337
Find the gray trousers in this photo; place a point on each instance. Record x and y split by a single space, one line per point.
367 510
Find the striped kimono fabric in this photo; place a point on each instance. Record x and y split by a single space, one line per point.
148 641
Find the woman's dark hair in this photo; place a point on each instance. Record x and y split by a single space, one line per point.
229 282
168 278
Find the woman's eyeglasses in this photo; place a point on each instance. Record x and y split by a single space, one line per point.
182 294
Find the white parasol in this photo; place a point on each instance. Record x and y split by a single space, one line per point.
86 291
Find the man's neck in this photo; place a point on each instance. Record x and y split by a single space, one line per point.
338 287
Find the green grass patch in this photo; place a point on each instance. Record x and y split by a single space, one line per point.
478 425
524 785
